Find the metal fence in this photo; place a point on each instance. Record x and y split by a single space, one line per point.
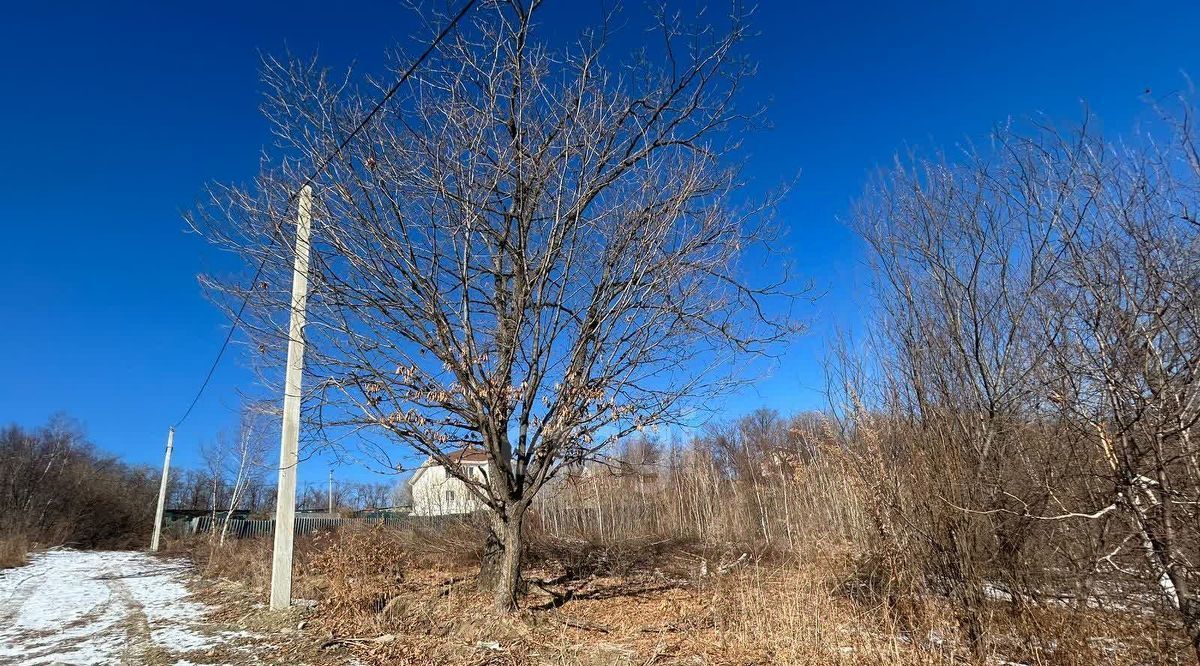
306 524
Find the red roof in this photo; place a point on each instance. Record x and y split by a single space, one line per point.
468 455
464 456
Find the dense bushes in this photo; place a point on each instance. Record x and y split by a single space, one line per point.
56 489
1025 402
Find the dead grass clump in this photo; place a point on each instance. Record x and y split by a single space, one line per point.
326 560
798 613
451 543
363 571
14 550
879 576
578 555
248 561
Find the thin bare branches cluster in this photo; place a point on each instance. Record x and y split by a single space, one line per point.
1031 378
762 481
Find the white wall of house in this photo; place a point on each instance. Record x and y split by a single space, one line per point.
436 493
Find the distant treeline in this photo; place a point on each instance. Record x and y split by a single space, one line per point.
203 489
57 488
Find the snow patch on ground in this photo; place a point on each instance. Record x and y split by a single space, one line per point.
101 607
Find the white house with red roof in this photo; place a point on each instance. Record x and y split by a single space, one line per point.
435 492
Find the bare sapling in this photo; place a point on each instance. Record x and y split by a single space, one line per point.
248 459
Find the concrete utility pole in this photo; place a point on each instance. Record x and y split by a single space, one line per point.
289 444
162 490
331 491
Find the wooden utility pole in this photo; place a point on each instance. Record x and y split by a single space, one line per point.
331 491
289 444
162 490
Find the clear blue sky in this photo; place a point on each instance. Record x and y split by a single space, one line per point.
116 114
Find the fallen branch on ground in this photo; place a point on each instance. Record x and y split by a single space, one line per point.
385 638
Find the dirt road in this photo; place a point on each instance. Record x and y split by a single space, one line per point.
115 607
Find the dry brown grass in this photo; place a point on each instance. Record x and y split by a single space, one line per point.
14 550
627 584
247 561
416 589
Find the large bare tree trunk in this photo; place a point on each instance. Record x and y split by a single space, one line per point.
490 561
500 567
508 583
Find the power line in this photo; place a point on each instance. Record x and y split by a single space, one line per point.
237 319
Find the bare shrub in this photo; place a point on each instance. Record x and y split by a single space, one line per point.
1023 415
363 570
248 561
14 550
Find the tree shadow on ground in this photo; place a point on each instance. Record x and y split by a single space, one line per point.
580 590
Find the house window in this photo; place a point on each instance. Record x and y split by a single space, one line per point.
449 495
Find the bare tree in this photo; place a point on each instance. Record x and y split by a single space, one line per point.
246 463
962 254
401 494
216 455
532 251
314 496
367 496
